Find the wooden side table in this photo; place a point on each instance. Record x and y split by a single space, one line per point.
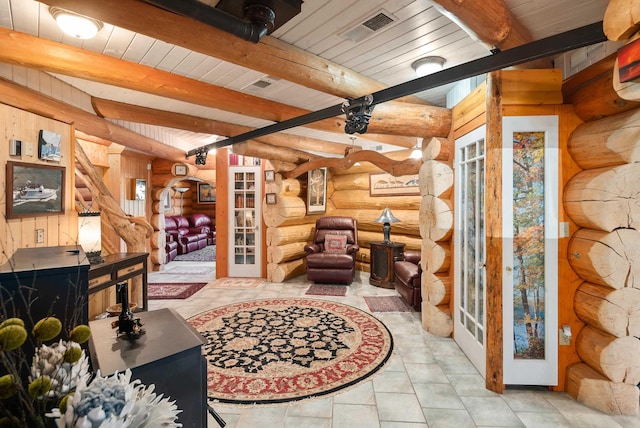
383 255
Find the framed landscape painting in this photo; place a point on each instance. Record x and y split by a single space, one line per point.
34 190
206 193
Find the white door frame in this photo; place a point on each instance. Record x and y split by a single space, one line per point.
468 341
521 371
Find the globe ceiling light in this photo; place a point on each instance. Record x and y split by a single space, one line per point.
75 25
428 65
416 153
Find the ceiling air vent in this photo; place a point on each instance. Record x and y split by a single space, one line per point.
367 28
261 84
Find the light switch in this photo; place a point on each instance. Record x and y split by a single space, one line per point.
28 150
564 229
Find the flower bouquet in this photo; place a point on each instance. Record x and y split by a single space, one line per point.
57 389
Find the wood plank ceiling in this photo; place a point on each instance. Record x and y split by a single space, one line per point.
418 28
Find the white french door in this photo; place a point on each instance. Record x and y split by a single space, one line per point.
470 247
530 250
244 222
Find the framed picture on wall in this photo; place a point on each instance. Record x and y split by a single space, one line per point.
271 198
49 146
317 191
269 175
206 193
34 190
139 189
387 185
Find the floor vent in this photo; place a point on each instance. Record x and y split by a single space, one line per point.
367 28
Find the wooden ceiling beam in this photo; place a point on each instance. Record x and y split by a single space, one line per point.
122 111
27 99
403 119
270 55
493 23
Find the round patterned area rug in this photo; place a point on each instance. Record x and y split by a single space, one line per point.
280 350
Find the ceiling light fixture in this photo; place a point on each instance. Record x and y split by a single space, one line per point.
428 65
75 25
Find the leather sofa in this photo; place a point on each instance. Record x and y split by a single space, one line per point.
331 257
201 223
189 237
407 278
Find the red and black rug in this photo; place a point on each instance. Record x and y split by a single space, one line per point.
280 350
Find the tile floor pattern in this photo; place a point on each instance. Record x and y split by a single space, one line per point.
428 382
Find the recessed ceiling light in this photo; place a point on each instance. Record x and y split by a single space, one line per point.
428 65
75 25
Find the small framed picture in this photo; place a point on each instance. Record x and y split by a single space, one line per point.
180 170
206 193
49 146
269 175
271 198
139 189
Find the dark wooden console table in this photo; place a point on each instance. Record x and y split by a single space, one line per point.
117 268
168 355
383 254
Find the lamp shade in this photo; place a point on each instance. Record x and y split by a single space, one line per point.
428 65
90 235
386 217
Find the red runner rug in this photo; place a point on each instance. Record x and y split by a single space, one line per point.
167 290
387 304
280 350
326 290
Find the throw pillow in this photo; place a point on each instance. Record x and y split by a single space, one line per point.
335 244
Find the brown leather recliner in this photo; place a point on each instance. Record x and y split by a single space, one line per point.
331 258
407 278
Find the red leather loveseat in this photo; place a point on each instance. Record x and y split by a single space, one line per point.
188 233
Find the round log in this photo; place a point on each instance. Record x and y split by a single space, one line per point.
616 312
436 218
284 271
357 199
158 239
410 242
288 186
604 198
614 357
614 140
436 319
408 224
290 234
590 388
611 259
158 256
436 256
436 289
359 181
285 253
436 179
157 221
621 19
286 208
436 148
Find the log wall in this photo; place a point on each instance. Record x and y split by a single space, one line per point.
602 199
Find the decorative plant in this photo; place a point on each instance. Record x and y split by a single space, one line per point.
57 388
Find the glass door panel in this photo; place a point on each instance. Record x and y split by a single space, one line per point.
244 260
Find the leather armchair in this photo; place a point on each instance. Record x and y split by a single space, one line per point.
333 264
407 278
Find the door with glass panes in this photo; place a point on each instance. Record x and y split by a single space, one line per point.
244 222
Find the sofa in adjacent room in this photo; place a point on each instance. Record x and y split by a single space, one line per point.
191 233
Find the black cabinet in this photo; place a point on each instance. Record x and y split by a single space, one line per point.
383 254
58 277
168 355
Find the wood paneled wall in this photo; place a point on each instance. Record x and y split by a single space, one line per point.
58 229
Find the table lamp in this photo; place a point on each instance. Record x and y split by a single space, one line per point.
387 218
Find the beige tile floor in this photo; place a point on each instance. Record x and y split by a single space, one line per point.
428 382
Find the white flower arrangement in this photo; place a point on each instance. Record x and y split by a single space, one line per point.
59 385
115 402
